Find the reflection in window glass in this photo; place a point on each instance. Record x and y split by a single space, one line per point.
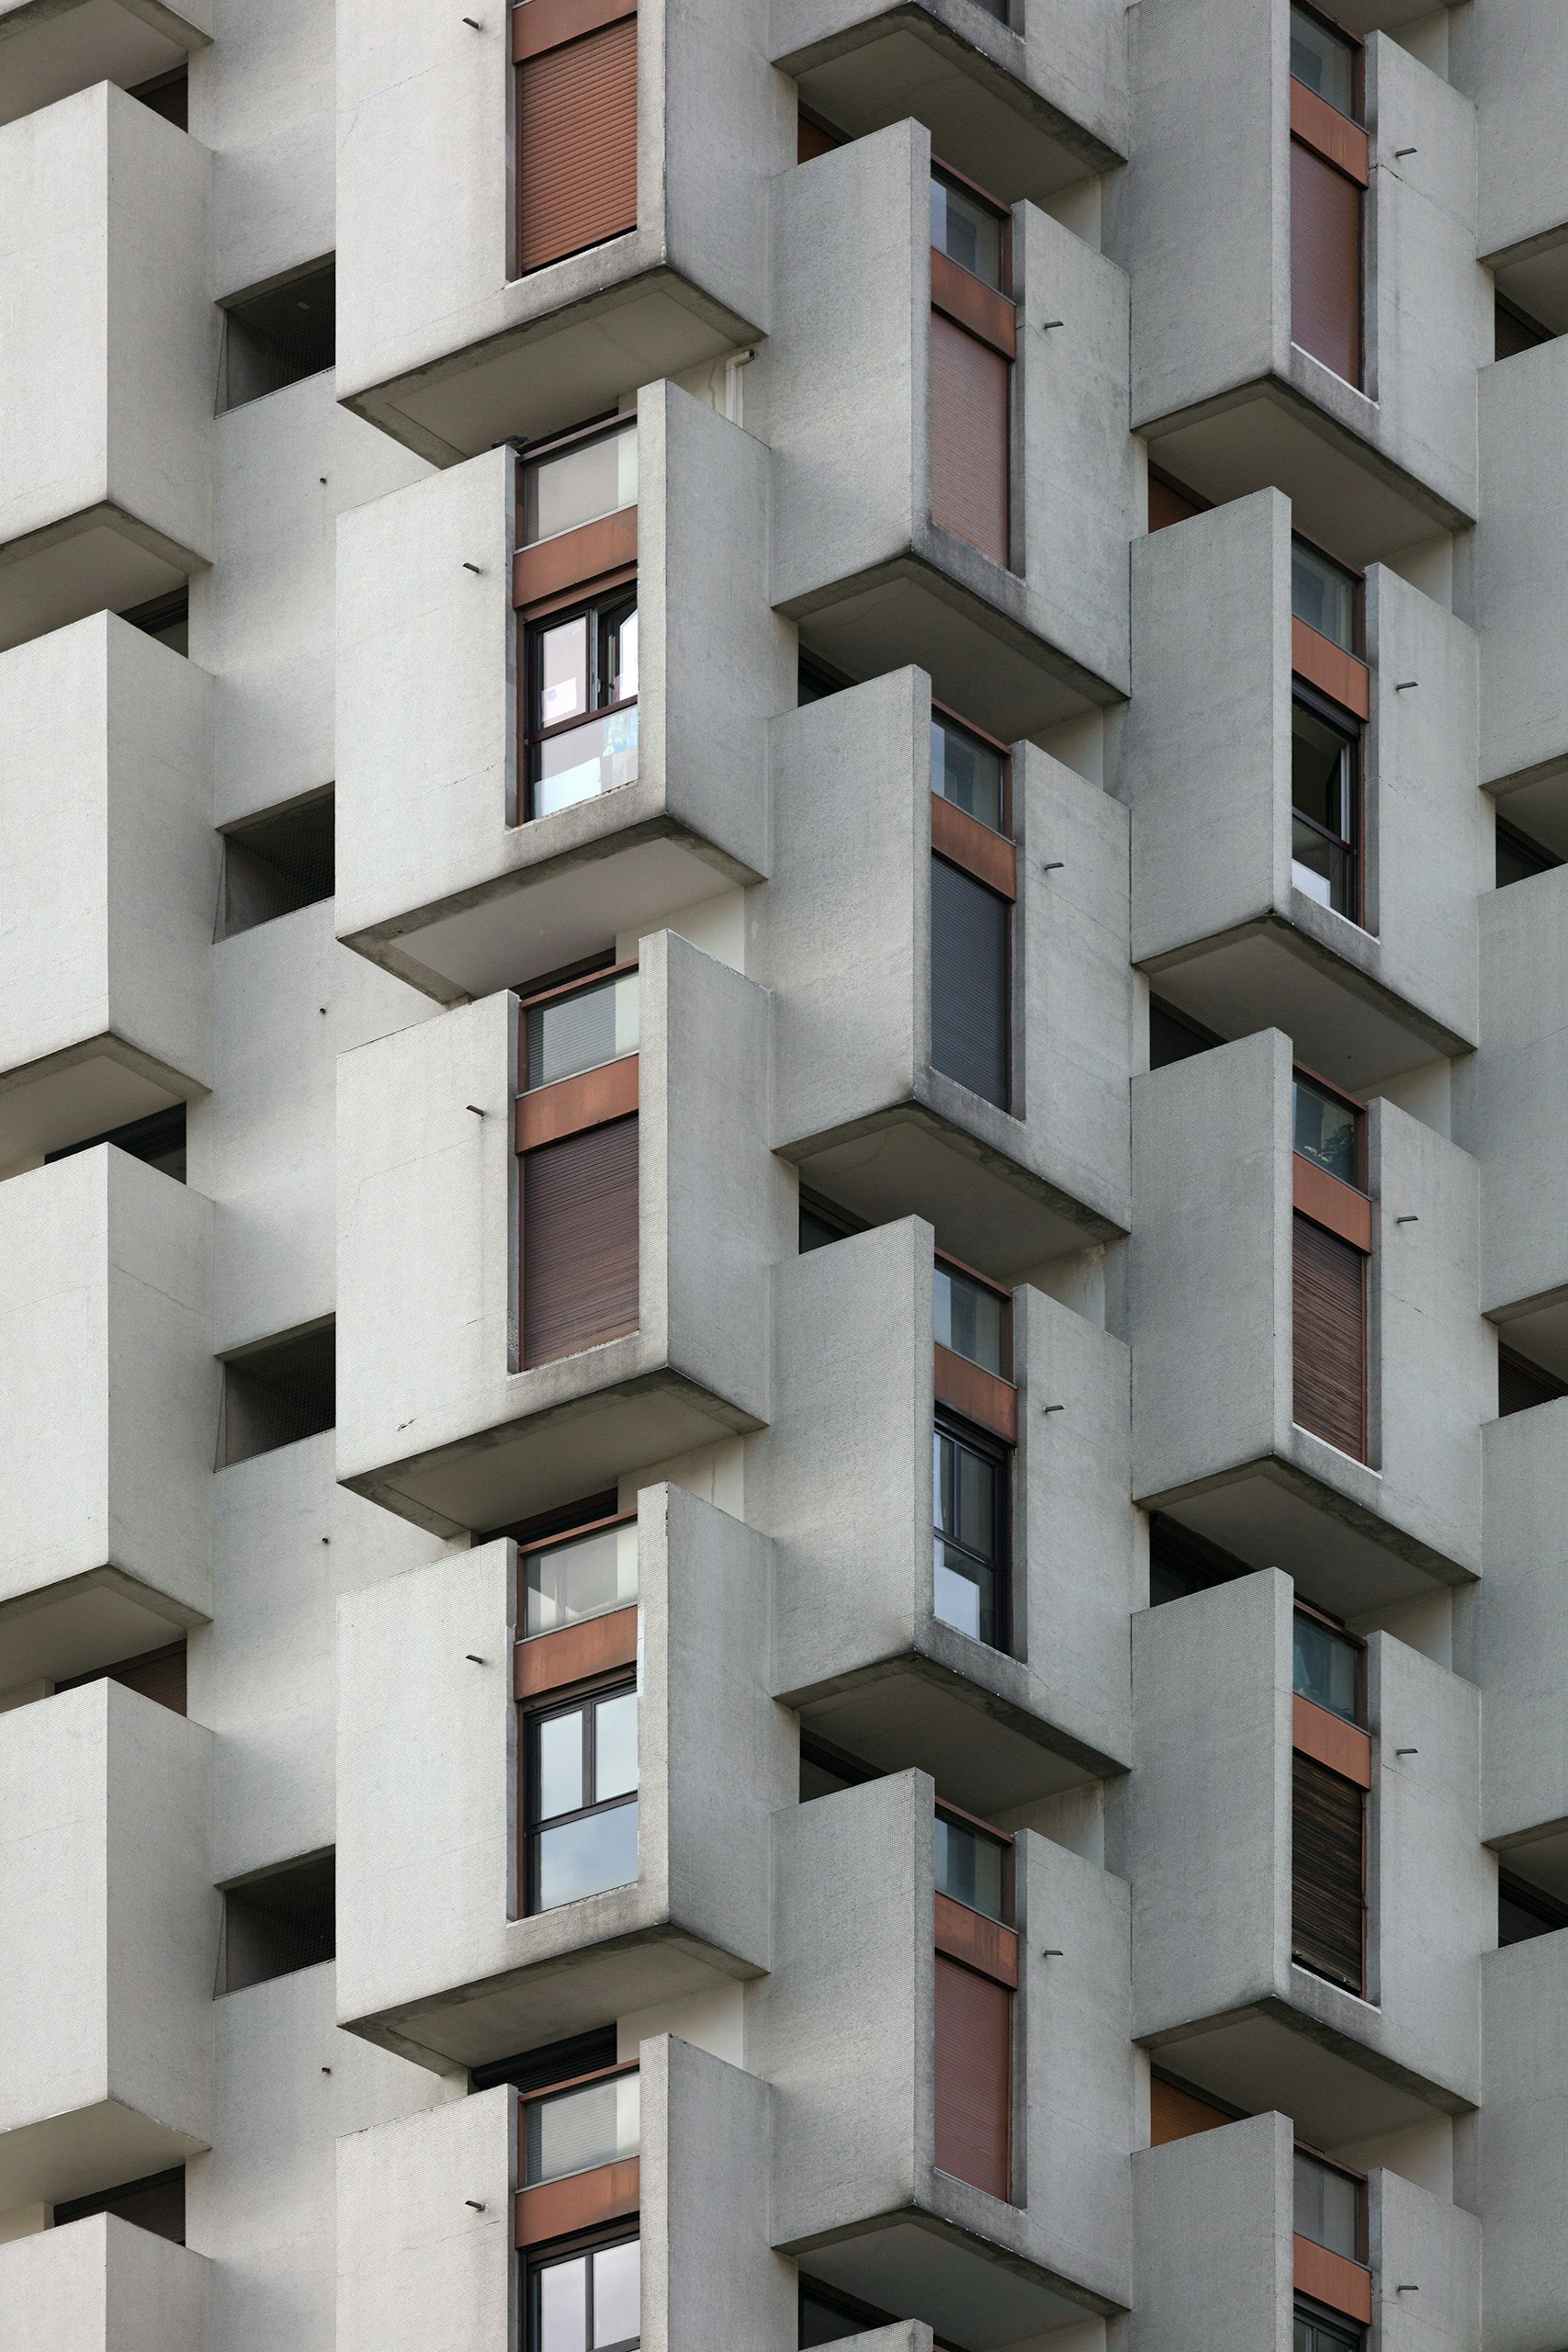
970 1320
586 1578
967 232
1316 2334
588 2303
1323 61
576 2130
1322 795
582 717
970 773
1323 595
597 478
1327 1131
971 1868
1328 2208
1328 1669
969 1504
592 1025
581 1800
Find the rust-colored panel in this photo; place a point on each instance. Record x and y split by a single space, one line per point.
1329 1202
1326 263
956 834
550 1112
538 25
1344 1747
813 139
574 559
1330 669
580 1241
1329 2278
1168 503
971 387
959 295
576 143
974 2077
1334 136
559 2208
967 1388
968 1936
1177 2115
1328 1281
575 1654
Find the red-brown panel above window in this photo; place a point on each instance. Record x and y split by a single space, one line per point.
971 397
576 126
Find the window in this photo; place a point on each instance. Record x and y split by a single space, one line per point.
552 2063
582 1798
156 2203
577 2130
970 773
1519 858
1525 1912
276 865
971 982
1325 595
159 1140
1327 1666
816 683
1330 2207
1328 1129
1181 1562
278 337
1177 2113
1323 61
1521 1383
279 1393
825 1769
1171 502
586 1576
970 231
579 480
1327 1873
574 127
1174 1036
971 1483
973 1867
829 2314
1514 330
157 1674
974 339
585 2298
274 1925
572 1029
1332 1243
1325 753
823 1222
973 1321
580 1279
1328 173
976 1971
581 695
1316 2332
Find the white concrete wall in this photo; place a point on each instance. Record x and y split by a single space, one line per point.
102 2284
262 98
1213 2231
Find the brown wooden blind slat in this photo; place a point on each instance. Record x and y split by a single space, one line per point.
974 2077
1326 263
580 1241
971 399
1329 1283
577 145
1328 1872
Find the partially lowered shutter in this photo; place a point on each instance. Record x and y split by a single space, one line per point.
1330 1338
971 395
576 126
1327 1873
580 1241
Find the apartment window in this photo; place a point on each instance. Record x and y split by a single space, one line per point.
1518 858
583 1576
168 95
1324 596
167 618
276 865
823 1222
575 94
1333 2284
973 341
157 1674
1316 2332
1328 1129
826 1770
1175 1036
1522 1384
1525 1912
279 1393
1177 2113
1514 330
1332 1247
580 693
972 1476
971 773
571 1029
582 2126
977 1975
279 337
816 683
576 1135
585 2297
581 1789
973 1319
155 2203
1327 1666
1171 502
274 1925
580 479
1325 761
973 1867
158 1140
1328 175
1330 2207
552 2063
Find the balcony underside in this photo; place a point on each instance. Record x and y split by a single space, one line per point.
974 2292
63 2156
100 560
58 1630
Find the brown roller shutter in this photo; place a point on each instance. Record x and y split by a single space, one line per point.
580 1241
971 397
974 2077
1327 1873
1326 263
577 145
1330 1338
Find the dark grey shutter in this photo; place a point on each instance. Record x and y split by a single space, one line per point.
971 998
1328 1872
1330 1338
580 1241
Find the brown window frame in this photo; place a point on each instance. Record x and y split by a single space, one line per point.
1342 722
554 994
597 602
1353 1641
1351 1102
980 853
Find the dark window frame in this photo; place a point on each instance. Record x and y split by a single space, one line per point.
534 453
555 993
602 607
952 1265
580 1698
1359 2181
1351 1101
1525 1368
1009 1005
1552 1912
976 1828
1353 1641
948 717
1000 213
1003 1459
1358 49
540 2096
1353 732
1336 2331
626 2231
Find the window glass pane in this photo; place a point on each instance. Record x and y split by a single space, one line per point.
969 1320
581 1031
1325 1131
1324 61
618 658
563 2307
596 2125
1323 869
968 773
597 478
584 1857
969 1867
584 1578
1321 595
1325 1669
617 2295
970 232
964 1593
586 761
558 1766
1320 772
1327 2207
615 1747
563 672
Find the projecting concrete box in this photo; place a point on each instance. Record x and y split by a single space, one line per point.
843 936
49 49
1213 1439
103 2285
106 841
842 394
110 1412
106 482
1228 401
438 342
846 2023
434 1960
109 1943
841 1480
1214 1983
1520 2183
1021 110
1206 764
1517 73
1519 1615
1521 575
437 875
434 1418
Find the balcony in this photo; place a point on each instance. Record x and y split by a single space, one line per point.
103 2285
1023 111
444 321
1518 83
106 963
850 2025
112 1414
49 51
437 1957
1216 1438
1216 1995
1524 733
1520 1612
844 393
105 488
860 1649
106 1979
847 945
1218 2262
1371 979
439 877
1228 402
1520 2178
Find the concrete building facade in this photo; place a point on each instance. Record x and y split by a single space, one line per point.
782 1423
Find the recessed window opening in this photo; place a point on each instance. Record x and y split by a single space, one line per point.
1324 60
157 2202
157 1674
974 1319
158 1140
816 683
826 1770
1514 330
1522 1383
971 1478
580 1773
1325 595
1325 759
591 475
165 617
1328 1666
581 738
577 1028
970 229
274 865
973 1866
1519 859
1319 2331
585 1576
277 1394
1182 1561
593 2122
1328 1129
168 95
830 2315
970 772
278 338
1175 1036
586 2298
275 1925
550 2064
